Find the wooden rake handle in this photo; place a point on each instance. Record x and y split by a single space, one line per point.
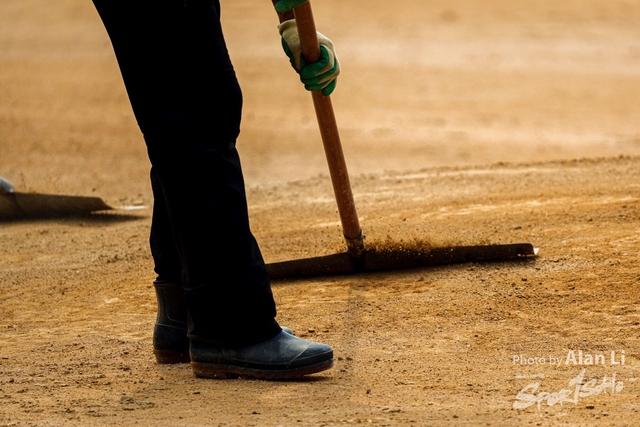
330 137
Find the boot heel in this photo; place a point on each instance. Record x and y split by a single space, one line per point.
170 357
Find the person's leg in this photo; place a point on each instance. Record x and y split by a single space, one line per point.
187 101
167 264
170 341
188 104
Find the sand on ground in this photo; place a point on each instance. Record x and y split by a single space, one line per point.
463 122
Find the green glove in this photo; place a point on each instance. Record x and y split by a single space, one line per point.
286 5
321 75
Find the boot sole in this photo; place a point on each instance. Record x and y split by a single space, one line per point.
168 357
219 371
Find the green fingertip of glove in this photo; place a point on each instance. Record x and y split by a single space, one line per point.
286 5
327 89
310 71
330 87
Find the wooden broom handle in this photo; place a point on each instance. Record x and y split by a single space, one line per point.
330 137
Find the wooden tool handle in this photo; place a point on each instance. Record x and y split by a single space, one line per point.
330 137
307 32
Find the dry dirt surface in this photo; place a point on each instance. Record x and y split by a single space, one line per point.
464 122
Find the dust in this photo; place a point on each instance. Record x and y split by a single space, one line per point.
391 245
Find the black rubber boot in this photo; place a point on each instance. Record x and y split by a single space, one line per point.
282 357
170 342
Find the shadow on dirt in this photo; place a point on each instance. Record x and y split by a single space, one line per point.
81 219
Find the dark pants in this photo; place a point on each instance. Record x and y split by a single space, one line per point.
187 102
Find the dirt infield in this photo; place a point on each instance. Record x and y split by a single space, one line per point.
463 123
